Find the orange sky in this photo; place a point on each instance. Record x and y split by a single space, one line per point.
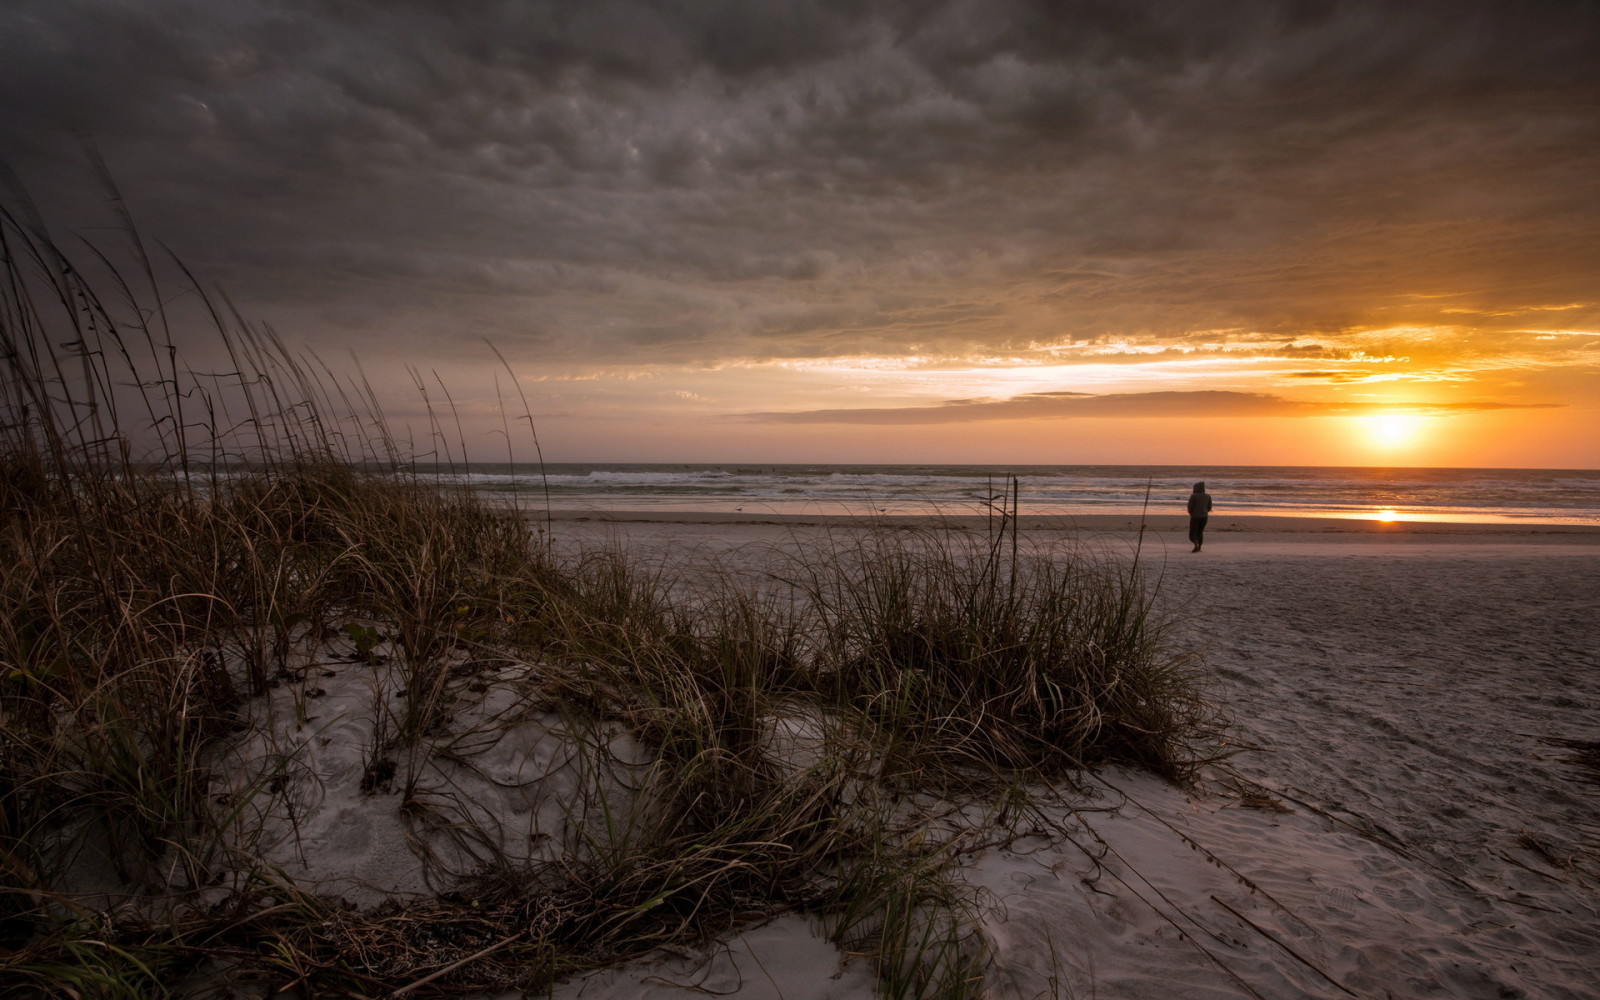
1006 231
683 414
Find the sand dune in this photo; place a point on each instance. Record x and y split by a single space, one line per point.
1397 816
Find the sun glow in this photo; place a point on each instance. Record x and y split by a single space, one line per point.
1392 430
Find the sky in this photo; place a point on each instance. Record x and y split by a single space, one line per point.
1129 232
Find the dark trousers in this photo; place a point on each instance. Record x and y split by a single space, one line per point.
1197 530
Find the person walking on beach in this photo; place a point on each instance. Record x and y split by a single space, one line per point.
1199 511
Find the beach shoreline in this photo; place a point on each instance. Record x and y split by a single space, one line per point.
1092 493
1251 537
1115 523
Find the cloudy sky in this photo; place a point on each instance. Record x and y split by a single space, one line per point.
723 230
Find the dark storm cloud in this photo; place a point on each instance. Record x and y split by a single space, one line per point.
704 180
1200 403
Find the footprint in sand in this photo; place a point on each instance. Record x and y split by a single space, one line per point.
1398 898
1340 901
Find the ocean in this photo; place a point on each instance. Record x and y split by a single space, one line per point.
1527 496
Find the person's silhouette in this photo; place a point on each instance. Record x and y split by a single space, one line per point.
1199 511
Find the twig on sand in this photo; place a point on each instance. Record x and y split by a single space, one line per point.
1373 831
1529 868
1230 869
1183 934
1275 940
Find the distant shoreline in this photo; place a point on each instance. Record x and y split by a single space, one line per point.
1093 496
1276 524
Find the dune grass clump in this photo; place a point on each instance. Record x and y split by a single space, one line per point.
969 656
194 562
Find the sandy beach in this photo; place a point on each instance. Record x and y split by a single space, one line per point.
1399 805
1400 819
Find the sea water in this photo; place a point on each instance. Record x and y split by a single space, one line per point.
1529 496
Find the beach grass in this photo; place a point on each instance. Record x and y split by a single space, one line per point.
190 557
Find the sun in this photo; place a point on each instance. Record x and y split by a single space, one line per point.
1392 430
